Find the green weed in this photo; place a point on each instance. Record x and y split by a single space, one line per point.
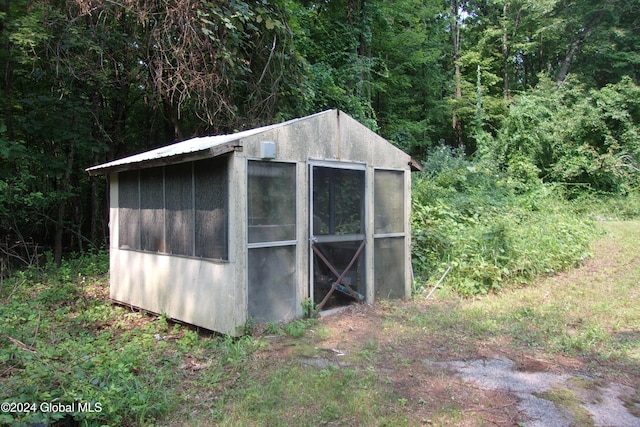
309 308
236 350
273 328
60 342
295 328
473 218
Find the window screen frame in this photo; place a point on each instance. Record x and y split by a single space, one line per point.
402 233
352 166
394 240
129 210
190 213
274 243
344 240
257 286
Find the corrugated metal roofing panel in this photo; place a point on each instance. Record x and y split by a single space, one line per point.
196 149
185 150
179 149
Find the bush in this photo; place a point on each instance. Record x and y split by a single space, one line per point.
609 207
490 228
587 139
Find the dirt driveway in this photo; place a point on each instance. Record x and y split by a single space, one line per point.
493 384
466 363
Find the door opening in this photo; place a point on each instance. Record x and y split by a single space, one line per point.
337 233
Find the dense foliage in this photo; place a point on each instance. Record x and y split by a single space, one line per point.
543 88
489 227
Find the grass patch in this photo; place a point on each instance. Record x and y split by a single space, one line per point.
584 383
294 394
566 401
590 312
62 340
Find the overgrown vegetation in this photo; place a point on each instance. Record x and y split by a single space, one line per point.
582 314
64 345
523 205
490 227
62 341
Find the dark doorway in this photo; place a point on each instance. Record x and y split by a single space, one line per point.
338 218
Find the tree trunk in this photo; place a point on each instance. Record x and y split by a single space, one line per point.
99 208
479 114
505 53
172 128
575 47
62 206
455 33
355 18
8 73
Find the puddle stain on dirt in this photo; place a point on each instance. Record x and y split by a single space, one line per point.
604 402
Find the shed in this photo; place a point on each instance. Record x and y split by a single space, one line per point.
220 230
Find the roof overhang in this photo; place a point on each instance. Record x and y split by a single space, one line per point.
133 163
204 147
415 165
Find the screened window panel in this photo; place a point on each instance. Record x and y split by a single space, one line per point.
158 211
271 201
388 202
211 208
129 210
179 209
271 288
338 201
152 210
389 267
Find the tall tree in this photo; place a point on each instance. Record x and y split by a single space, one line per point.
411 95
456 13
610 49
586 38
581 20
335 39
89 80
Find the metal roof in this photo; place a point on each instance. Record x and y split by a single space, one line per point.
188 150
196 149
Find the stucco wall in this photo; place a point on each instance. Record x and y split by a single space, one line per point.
329 136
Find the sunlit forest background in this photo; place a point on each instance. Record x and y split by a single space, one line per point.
520 104
524 113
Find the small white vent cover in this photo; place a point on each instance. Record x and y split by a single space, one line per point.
267 150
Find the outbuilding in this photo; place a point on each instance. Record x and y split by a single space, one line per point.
219 231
